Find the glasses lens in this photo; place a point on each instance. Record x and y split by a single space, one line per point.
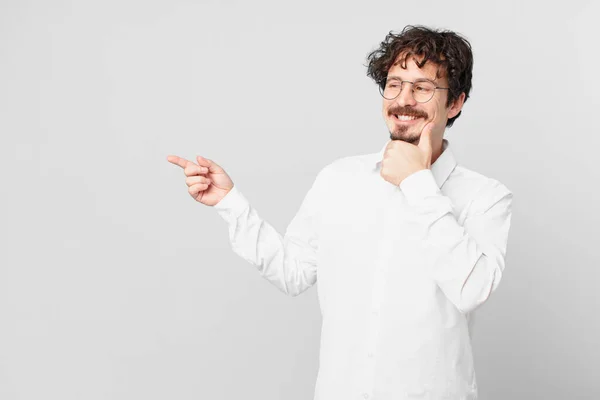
423 91
391 90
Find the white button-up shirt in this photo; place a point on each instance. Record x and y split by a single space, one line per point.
399 269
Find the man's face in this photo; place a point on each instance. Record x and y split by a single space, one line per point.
404 117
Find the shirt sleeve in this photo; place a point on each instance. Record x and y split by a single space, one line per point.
466 261
289 262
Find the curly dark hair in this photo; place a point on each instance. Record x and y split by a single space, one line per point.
447 49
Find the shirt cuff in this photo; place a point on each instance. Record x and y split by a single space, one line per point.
419 185
233 204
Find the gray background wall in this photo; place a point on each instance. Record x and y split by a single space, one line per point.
115 284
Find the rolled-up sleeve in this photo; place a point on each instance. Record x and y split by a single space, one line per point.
466 261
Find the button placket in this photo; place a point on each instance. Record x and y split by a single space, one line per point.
378 295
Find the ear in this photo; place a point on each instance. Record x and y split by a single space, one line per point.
456 106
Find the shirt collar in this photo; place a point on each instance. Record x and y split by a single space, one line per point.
441 168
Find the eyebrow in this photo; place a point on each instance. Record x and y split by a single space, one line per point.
393 77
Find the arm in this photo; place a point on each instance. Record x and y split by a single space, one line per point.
288 262
465 261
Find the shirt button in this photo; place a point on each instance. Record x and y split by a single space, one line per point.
366 395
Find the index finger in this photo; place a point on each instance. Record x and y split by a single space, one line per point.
182 162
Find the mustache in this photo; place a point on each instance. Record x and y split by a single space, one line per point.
408 111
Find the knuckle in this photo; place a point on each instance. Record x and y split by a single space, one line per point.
191 170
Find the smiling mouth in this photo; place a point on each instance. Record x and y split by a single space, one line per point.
405 118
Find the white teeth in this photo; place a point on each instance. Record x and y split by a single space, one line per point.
405 117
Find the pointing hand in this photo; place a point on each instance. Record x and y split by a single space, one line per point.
207 182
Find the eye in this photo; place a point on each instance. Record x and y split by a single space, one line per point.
423 88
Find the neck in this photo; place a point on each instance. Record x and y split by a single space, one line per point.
437 150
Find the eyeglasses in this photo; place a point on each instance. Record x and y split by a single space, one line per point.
422 91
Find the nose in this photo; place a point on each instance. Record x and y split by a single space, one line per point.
405 98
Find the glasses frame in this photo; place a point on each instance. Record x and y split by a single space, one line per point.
412 92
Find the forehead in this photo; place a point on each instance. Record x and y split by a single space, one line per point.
429 71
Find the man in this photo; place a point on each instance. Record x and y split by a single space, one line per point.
405 243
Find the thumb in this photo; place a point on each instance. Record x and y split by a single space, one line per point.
425 139
212 166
